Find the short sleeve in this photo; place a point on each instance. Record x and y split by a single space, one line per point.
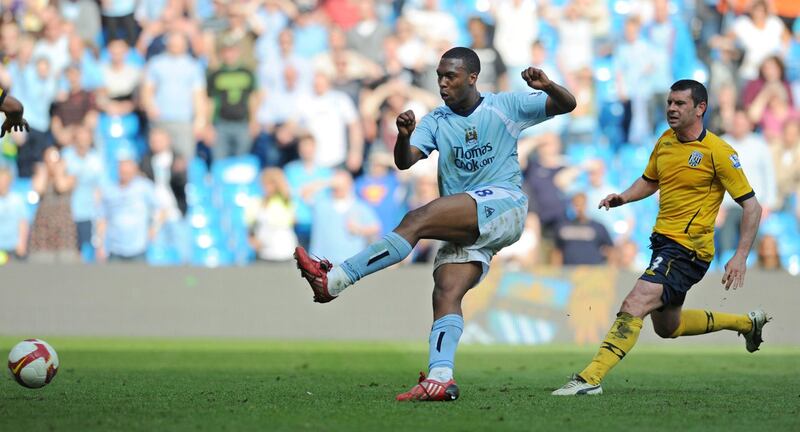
730 173
526 108
651 170
424 135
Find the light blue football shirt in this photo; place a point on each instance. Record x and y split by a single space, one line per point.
480 149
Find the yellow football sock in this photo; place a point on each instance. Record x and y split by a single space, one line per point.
697 322
619 340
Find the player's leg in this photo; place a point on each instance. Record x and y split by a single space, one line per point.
452 218
451 283
643 298
674 322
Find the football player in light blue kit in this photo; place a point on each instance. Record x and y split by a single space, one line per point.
481 209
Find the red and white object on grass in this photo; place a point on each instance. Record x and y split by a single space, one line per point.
33 363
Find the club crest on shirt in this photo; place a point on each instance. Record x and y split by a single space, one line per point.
471 136
735 161
695 158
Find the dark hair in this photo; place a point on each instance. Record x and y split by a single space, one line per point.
777 61
699 92
468 56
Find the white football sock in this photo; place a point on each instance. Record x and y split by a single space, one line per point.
441 374
338 281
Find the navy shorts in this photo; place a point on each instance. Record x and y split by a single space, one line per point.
675 267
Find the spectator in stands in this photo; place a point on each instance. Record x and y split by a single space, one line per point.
307 181
86 165
581 241
786 159
673 54
53 234
771 109
760 34
379 110
768 257
13 219
349 224
118 20
583 125
271 69
545 188
721 114
756 161
380 189
36 88
128 219
121 80
278 120
368 35
431 22
516 29
9 43
167 170
242 29
634 66
53 45
346 64
87 63
625 256
575 46
772 73
84 15
270 219
310 31
174 95
599 188
493 69
333 120
72 108
231 91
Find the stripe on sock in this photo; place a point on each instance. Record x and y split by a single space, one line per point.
709 321
378 257
439 342
617 351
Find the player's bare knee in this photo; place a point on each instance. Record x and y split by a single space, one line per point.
446 293
415 219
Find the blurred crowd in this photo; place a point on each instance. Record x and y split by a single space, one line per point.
219 132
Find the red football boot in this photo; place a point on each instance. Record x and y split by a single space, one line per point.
316 273
430 390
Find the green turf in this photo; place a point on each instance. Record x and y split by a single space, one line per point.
207 385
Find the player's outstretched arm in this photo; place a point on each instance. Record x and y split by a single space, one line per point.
12 108
406 155
640 189
559 100
736 267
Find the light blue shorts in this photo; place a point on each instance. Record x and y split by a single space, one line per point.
501 220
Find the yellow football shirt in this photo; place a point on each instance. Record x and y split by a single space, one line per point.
692 178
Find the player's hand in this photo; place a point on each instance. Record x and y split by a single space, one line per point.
613 200
734 272
406 122
536 78
14 123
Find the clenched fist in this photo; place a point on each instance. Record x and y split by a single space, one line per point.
536 78
406 122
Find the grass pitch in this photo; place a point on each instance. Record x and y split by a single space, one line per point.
147 385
